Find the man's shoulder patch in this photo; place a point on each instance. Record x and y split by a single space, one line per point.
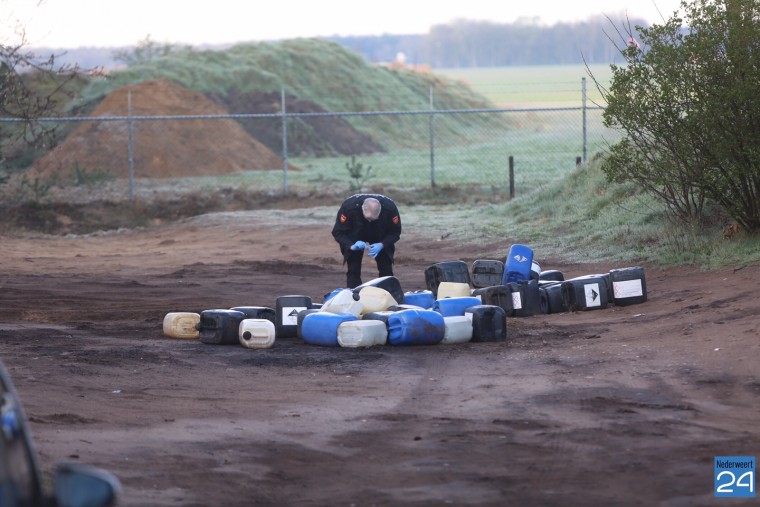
396 220
343 218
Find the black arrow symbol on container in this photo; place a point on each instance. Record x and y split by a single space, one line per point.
294 313
594 295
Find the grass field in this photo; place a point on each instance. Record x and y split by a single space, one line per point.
533 86
469 150
544 143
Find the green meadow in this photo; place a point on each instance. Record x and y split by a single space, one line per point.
465 150
534 86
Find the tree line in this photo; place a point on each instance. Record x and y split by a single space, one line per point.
466 43
462 43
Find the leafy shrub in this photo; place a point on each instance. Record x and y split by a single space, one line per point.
687 102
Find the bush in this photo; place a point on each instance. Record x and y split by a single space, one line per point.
687 103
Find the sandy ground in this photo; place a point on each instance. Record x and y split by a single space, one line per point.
621 406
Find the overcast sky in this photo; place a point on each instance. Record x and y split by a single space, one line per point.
75 23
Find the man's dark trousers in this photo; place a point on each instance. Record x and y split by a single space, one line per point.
354 261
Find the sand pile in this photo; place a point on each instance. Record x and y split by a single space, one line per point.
162 148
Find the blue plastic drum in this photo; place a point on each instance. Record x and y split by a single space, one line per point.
416 327
321 328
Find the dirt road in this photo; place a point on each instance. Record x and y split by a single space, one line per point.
622 406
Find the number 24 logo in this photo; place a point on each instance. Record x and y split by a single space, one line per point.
732 480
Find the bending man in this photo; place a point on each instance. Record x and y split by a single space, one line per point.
368 222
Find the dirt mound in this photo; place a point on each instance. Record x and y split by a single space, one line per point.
320 136
162 149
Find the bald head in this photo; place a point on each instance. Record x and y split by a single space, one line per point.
371 208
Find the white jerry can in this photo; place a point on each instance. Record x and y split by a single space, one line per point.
257 333
181 325
362 333
458 329
343 302
453 290
375 299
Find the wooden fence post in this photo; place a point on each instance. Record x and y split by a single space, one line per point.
511 177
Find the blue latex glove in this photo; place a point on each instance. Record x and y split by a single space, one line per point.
374 249
359 245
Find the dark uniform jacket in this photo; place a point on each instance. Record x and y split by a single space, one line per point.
351 226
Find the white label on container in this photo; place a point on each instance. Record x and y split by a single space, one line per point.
516 301
627 289
290 315
592 295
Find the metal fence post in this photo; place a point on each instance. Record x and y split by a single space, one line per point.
431 127
284 143
585 131
130 148
511 177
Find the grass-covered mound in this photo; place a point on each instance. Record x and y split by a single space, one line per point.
324 73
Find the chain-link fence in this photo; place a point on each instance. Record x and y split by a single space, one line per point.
288 152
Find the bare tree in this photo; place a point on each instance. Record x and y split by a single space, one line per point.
32 87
